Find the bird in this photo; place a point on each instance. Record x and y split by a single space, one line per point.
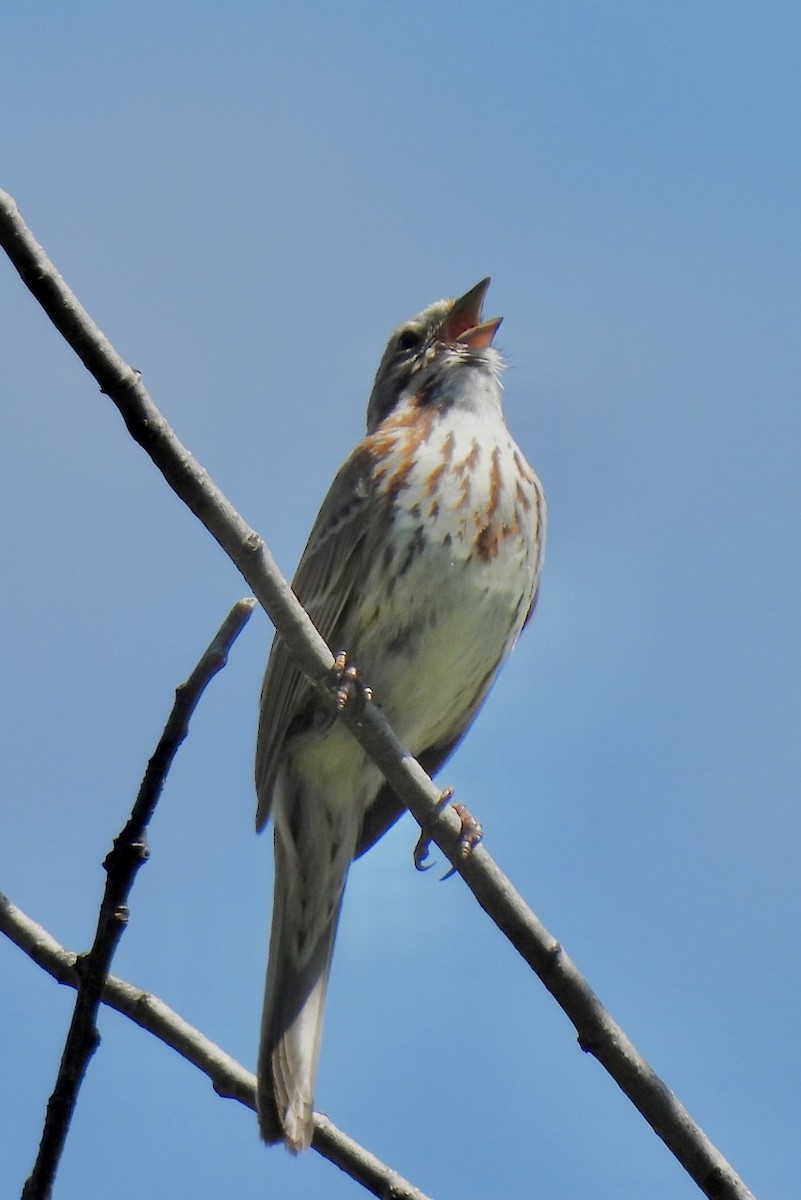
422 567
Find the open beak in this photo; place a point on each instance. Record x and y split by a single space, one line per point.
463 323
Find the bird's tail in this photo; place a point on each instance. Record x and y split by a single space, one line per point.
294 998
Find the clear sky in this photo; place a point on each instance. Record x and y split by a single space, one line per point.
248 199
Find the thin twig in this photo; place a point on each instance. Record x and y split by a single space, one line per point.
122 863
228 1078
598 1033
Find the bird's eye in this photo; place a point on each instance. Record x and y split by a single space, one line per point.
410 339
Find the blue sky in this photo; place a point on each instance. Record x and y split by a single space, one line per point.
247 202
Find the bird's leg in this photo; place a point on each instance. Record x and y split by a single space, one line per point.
469 837
349 688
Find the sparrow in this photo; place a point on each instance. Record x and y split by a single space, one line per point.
423 566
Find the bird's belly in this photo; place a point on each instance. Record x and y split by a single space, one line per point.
430 642
429 647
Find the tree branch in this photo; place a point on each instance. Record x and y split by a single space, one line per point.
122 863
228 1077
597 1032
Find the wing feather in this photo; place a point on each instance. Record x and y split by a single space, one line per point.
329 570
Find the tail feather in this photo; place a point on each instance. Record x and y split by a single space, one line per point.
290 1046
292 1018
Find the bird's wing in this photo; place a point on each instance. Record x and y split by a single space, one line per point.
334 561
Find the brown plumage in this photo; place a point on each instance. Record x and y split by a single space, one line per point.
423 566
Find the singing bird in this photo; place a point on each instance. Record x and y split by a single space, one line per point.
423 565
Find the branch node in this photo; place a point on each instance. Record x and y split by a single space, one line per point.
588 1044
126 853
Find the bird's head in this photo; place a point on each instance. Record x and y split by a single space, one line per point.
447 333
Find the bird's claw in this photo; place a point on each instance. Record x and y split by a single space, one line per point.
424 841
470 836
349 687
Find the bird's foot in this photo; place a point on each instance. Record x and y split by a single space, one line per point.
349 688
470 836
472 831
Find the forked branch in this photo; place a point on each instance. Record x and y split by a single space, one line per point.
122 863
228 1078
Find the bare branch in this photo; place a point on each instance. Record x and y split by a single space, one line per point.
228 1078
597 1032
122 864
